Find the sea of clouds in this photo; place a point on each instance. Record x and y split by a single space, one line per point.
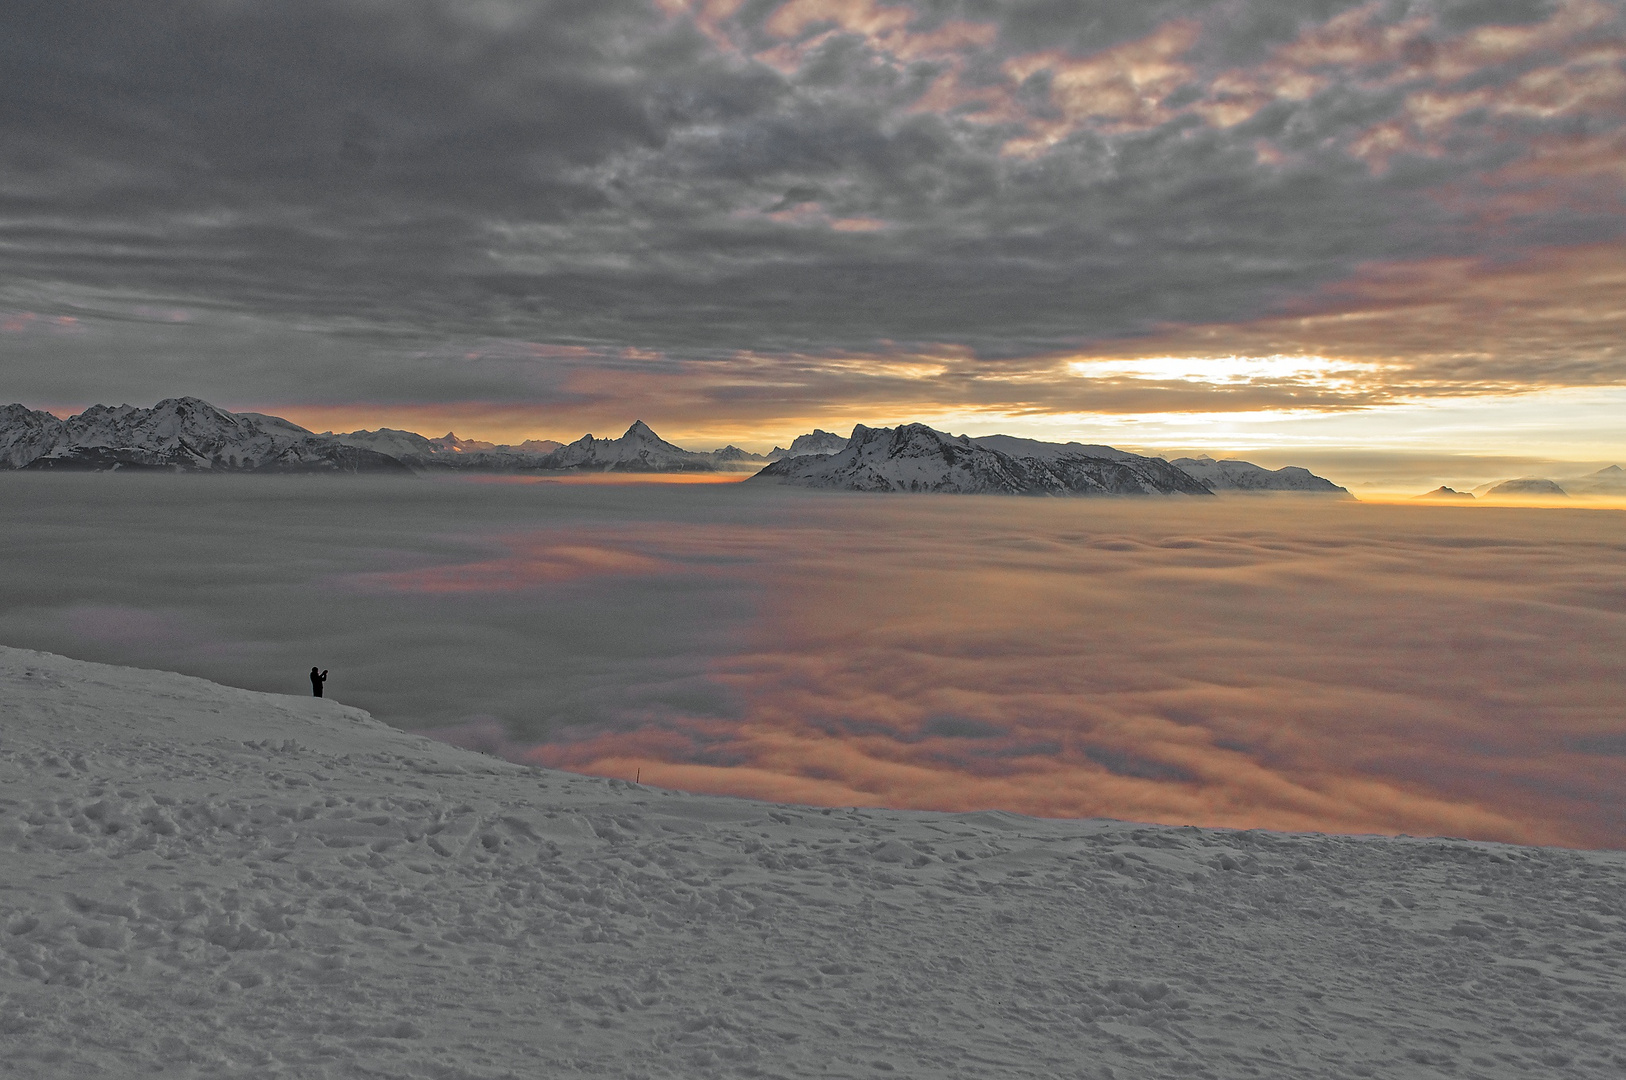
1285 664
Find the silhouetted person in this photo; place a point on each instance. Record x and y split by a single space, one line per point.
317 679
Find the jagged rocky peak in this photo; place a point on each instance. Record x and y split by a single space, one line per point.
817 441
27 434
642 432
638 450
915 457
733 455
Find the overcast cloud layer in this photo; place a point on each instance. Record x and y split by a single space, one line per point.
756 208
1340 667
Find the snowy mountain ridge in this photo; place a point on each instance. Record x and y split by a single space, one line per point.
186 434
205 881
917 458
1230 475
817 441
191 435
449 451
638 450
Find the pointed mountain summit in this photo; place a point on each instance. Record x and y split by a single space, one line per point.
639 449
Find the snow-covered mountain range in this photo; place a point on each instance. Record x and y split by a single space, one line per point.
449 451
189 434
638 450
1245 476
184 434
914 457
205 881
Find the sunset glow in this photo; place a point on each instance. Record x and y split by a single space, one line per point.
1202 226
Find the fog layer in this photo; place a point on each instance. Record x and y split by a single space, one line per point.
1289 665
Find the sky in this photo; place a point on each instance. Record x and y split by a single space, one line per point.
1386 234
1323 665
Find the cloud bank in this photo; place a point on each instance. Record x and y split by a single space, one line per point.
1331 668
1252 663
755 209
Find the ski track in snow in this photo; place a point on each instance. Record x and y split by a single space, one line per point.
203 881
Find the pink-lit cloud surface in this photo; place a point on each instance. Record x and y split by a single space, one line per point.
1304 666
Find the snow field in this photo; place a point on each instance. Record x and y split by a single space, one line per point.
197 881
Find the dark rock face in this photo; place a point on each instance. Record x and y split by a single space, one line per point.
914 457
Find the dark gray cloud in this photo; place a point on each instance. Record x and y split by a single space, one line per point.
389 180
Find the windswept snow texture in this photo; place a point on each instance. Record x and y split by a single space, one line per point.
916 458
178 434
209 882
1246 476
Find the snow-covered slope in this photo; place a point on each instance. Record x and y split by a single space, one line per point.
26 435
200 881
638 450
178 433
1049 451
1230 475
914 457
